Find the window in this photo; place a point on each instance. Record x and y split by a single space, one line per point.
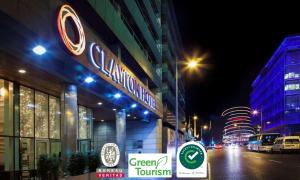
6 108
292 103
288 87
27 153
293 57
84 124
291 75
54 117
41 115
292 141
26 112
6 153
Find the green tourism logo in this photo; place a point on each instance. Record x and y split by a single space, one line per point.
191 156
149 165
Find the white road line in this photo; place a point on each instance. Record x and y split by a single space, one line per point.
257 157
275 161
209 172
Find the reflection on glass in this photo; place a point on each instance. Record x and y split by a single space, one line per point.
41 115
6 154
6 108
54 117
85 117
55 148
27 153
26 112
41 148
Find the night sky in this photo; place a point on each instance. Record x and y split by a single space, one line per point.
239 37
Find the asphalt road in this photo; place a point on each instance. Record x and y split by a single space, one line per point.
239 164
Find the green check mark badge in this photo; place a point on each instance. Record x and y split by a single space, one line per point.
191 156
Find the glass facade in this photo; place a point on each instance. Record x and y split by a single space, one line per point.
41 115
276 91
29 126
85 118
26 112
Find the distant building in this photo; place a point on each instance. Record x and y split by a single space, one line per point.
237 129
276 91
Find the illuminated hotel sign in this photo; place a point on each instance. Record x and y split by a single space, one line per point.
119 74
103 60
66 12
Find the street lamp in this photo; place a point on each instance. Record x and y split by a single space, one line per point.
191 64
195 125
204 127
256 112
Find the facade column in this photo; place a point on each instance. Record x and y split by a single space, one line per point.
121 136
69 122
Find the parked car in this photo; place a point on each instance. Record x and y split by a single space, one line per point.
286 144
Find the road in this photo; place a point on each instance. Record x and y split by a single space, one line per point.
239 164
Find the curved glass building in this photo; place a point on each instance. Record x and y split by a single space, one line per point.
237 129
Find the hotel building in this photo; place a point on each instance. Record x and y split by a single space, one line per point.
75 75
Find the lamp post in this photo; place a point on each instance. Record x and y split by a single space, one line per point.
191 64
255 112
204 127
195 125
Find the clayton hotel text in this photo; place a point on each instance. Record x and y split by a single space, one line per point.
75 75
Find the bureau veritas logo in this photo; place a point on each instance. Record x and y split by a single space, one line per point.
110 156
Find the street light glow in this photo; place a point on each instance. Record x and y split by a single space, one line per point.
192 64
195 117
255 112
205 127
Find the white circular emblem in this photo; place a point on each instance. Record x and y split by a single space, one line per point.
110 154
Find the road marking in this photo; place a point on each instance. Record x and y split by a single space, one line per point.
275 161
209 172
257 157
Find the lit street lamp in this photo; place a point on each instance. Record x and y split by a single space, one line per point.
195 125
255 113
204 127
191 65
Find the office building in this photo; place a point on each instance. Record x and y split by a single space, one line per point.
275 95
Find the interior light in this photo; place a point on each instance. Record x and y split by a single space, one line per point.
2 91
22 71
39 50
133 106
89 79
117 95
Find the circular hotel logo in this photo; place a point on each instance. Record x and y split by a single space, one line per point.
110 154
67 13
191 156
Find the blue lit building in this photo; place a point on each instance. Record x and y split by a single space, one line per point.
276 92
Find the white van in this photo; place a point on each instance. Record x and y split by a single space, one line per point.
286 143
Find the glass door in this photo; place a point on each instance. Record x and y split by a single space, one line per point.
85 145
55 148
41 148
